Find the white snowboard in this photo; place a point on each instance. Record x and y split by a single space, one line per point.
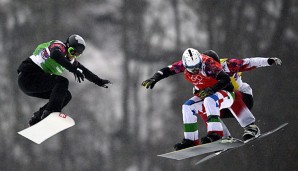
51 125
245 143
216 146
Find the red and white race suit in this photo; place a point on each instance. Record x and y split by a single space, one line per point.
221 99
211 105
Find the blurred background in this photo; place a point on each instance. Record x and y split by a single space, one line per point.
125 126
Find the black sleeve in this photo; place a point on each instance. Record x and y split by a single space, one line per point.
57 55
89 75
223 81
163 73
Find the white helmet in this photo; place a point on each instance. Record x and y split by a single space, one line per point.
192 60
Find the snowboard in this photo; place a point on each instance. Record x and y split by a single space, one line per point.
219 145
46 128
216 147
213 155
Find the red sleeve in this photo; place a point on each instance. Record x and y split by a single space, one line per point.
238 65
177 67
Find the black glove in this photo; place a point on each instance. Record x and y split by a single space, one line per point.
204 92
79 76
103 83
149 83
274 60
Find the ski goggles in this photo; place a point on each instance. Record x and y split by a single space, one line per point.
193 69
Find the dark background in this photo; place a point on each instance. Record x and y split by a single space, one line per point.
126 126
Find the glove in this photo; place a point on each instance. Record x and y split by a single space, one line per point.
204 92
274 60
103 83
149 83
79 76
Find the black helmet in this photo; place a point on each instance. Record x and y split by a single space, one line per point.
76 43
212 54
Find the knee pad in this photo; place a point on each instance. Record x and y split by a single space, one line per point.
185 108
211 100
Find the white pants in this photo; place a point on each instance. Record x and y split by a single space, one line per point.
214 103
210 106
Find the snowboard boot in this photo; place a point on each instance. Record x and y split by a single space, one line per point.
250 132
186 143
210 137
45 113
36 117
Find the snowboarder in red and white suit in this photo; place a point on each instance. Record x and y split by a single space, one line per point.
215 92
243 92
